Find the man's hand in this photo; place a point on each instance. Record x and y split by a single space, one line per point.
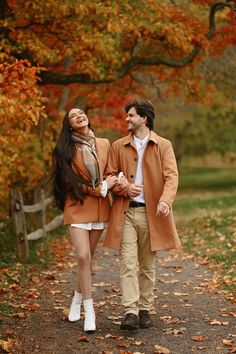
163 209
135 190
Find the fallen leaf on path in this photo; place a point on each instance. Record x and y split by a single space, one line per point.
175 332
55 292
100 304
199 338
161 350
35 279
15 287
83 339
29 307
152 312
138 342
215 322
225 323
169 319
123 345
33 293
114 336
164 306
102 283
21 315
115 289
6 345
159 280
173 281
65 312
114 317
229 342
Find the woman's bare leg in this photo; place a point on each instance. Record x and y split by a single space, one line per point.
94 236
81 242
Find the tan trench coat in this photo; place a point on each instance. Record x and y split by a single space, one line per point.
160 176
95 207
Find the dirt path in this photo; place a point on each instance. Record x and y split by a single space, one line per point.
188 319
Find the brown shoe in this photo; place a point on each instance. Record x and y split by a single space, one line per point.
145 320
130 322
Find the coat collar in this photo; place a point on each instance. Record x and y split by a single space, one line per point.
129 138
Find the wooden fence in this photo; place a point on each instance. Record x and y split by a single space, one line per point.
19 211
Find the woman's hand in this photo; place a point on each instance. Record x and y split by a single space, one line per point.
111 180
122 180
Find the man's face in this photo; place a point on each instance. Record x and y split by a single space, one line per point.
135 122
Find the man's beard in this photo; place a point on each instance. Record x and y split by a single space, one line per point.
131 128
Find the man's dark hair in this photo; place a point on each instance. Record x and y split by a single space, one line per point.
144 108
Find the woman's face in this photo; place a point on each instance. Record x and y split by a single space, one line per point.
78 120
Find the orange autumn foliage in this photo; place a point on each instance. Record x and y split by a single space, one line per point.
107 44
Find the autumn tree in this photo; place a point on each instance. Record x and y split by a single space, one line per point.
106 45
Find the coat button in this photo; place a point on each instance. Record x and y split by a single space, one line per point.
135 159
131 176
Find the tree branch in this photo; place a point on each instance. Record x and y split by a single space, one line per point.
57 78
3 9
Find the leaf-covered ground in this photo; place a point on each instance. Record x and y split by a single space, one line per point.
191 315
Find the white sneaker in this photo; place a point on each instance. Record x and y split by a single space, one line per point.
89 316
75 307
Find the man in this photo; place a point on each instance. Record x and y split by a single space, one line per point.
141 220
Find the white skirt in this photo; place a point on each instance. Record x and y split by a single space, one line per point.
91 225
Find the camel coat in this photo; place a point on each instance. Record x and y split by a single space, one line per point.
160 177
95 207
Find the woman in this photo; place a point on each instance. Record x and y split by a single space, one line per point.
79 160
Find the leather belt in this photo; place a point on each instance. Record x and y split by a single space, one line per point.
134 204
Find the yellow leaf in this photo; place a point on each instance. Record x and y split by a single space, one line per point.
6 345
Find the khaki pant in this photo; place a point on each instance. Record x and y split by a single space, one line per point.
137 263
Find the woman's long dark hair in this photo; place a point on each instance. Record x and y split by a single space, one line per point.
64 181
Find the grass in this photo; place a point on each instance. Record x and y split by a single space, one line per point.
6 308
207 178
39 250
205 210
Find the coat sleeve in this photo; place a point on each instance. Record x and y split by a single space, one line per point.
113 168
170 173
94 191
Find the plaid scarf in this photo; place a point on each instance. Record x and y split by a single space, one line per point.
88 150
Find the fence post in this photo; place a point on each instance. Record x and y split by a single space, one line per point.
39 197
19 221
